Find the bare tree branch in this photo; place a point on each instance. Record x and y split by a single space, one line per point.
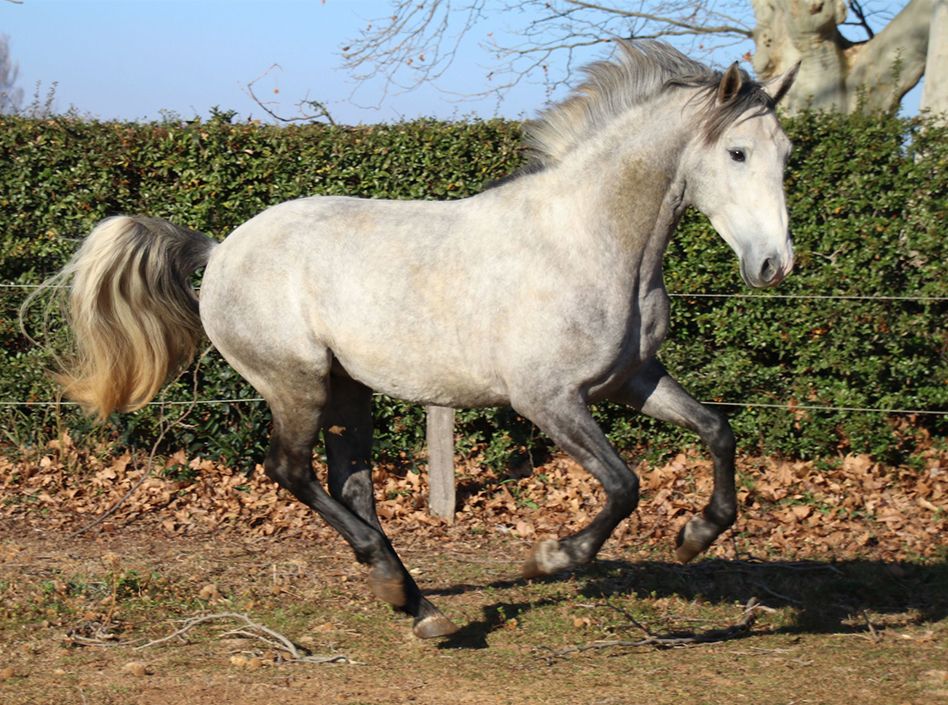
688 27
307 109
860 14
547 39
894 60
420 39
11 96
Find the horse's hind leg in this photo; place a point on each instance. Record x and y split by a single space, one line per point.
296 423
347 428
654 392
298 402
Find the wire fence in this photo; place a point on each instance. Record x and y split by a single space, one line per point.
920 298
748 404
789 406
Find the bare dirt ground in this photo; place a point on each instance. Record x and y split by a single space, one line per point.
833 588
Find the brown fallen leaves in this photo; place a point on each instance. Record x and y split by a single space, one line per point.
847 506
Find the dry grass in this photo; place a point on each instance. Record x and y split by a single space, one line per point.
840 617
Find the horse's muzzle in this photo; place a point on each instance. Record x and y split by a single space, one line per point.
768 272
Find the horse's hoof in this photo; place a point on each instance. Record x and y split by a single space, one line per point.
433 626
694 538
388 587
546 558
685 551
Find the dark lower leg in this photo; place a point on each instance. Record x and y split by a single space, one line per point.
656 393
573 429
388 578
347 429
721 511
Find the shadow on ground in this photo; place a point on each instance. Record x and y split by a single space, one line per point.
824 597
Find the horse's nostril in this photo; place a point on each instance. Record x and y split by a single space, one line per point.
767 270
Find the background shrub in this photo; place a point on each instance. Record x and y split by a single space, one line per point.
867 196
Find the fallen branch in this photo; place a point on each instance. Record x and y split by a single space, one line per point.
252 630
96 633
875 636
712 636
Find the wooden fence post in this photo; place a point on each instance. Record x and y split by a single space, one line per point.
440 436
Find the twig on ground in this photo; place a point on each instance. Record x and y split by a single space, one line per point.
254 630
752 563
874 634
779 596
712 636
96 633
632 620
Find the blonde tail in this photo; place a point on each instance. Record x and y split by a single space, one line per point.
132 311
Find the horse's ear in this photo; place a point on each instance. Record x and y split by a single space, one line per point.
730 84
778 86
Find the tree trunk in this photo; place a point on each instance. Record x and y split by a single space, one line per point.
836 74
935 94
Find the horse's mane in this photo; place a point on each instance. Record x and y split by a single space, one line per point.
638 72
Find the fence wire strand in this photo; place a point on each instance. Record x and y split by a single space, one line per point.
751 405
722 295
739 404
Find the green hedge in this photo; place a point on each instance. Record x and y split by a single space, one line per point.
867 197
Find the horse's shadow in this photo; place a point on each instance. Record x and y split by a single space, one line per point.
824 597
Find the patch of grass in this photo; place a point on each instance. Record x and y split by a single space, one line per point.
833 626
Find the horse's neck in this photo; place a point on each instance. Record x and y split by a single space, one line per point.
628 188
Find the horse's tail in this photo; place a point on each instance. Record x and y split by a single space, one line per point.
132 310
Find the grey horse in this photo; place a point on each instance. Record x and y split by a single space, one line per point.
544 293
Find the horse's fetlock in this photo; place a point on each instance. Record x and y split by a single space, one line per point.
546 558
387 583
722 516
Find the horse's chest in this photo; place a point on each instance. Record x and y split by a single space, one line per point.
653 325
635 341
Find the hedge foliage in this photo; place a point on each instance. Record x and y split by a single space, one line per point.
867 196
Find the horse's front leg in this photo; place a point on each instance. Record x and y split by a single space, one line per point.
565 418
654 392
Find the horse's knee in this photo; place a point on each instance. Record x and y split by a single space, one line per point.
351 486
357 495
719 436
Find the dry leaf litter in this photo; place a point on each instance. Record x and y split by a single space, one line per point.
850 506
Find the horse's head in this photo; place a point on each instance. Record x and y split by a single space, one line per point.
734 174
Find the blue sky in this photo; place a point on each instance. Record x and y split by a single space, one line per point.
133 59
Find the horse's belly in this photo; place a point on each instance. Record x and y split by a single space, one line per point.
421 379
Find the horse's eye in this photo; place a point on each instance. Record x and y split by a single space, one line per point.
737 154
